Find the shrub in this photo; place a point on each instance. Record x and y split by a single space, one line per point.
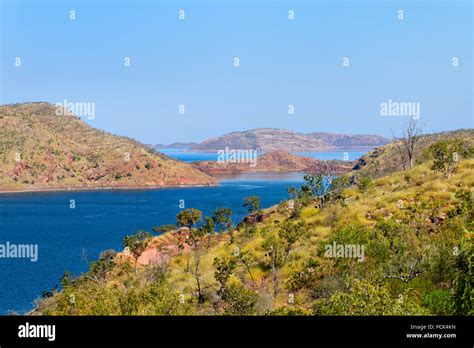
445 154
439 302
365 183
240 301
365 298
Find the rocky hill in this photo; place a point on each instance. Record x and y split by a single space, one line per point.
274 161
350 141
40 150
387 159
269 139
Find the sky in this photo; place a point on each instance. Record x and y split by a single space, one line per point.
421 56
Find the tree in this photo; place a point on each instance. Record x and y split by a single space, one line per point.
247 259
326 187
401 150
410 137
137 244
338 185
252 203
208 228
445 155
275 250
224 269
222 218
99 269
188 217
66 279
290 233
292 192
197 275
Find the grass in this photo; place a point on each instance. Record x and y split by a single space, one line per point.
417 186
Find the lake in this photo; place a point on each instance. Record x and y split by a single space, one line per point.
343 155
67 237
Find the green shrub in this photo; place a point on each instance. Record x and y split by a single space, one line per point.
365 183
240 301
439 302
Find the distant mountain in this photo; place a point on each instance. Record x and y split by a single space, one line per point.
350 141
40 150
174 146
269 139
274 161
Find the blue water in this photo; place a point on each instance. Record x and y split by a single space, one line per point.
184 155
103 217
343 155
100 221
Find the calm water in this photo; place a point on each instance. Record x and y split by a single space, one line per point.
100 221
348 154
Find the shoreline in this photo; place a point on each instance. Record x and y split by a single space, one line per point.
217 175
110 188
331 149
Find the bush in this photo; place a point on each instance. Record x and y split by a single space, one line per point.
240 301
445 154
365 298
365 183
439 302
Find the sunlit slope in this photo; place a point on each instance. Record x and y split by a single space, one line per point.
42 150
416 228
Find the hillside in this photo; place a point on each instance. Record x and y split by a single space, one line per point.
401 244
274 161
41 151
349 141
269 139
387 159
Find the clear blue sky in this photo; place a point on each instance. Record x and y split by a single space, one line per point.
283 62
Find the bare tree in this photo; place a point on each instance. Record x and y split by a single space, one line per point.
401 151
197 275
410 137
